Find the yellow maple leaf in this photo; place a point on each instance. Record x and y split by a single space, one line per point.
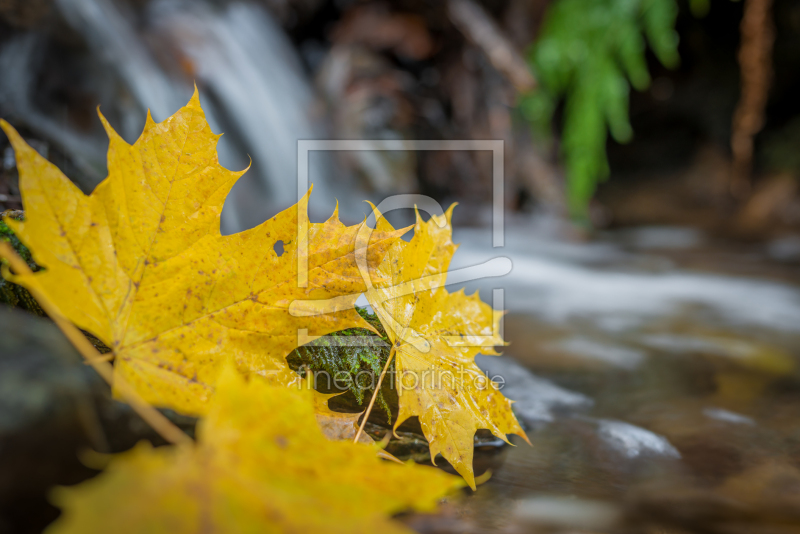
436 336
260 464
141 263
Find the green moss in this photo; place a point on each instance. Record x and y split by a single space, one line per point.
353 359
12 294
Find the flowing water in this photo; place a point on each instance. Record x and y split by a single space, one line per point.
657 397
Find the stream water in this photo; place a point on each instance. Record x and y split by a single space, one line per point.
659 395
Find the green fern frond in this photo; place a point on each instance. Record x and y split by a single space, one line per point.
589 53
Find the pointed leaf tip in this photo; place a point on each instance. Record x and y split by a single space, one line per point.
195 100
148 121
110 131
335 215
449 213
11 133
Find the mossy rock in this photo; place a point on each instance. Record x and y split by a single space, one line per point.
12 294
351 361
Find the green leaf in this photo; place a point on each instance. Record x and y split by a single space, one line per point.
590 52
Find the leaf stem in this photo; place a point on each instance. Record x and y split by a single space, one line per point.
163 426
375 394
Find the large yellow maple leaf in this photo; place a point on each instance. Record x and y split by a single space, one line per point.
436 336
141 263
260 464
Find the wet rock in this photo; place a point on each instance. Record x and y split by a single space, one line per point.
633 441
727 416
52 407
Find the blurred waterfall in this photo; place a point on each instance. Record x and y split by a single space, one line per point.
113 38
244 59
17 86
251 82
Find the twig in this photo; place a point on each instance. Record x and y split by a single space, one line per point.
755 55
165 428
375 393
102 358
480 29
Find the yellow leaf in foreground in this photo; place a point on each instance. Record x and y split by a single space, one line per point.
340 426
436 335
141 263
337 425
261 464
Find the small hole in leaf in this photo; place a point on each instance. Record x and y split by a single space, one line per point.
278 248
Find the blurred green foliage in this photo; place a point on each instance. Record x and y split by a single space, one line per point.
589 53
